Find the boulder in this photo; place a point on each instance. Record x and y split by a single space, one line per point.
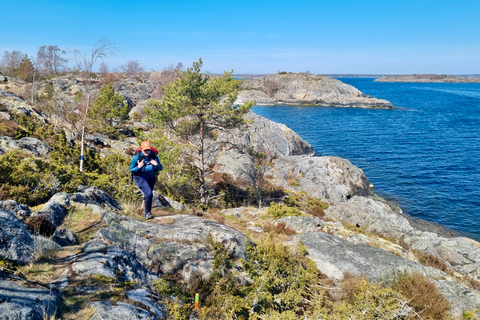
21 211
65 237
27 302
331 179
96 197
32 145
16 242
53 212
44 245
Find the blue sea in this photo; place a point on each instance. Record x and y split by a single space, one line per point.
424 155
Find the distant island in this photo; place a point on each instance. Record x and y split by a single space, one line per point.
437 78
306 90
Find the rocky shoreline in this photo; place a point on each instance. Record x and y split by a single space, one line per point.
359 234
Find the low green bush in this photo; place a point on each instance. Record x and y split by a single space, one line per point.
279 210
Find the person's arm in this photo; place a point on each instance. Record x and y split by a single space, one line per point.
134 165
159 165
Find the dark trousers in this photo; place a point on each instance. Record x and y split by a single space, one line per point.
146 185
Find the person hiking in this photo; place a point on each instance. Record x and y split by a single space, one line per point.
145 165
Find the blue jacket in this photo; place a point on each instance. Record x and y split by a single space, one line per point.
148 170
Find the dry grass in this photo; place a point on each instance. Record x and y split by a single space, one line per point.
433 261
423 296
50 267
83 222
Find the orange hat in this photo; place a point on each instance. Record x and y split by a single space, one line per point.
145 145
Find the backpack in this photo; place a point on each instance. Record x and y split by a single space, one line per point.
140 157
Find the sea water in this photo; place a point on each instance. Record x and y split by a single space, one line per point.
424 155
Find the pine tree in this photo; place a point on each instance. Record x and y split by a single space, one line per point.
108 111
195 105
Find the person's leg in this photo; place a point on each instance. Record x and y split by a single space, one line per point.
144 185
148 203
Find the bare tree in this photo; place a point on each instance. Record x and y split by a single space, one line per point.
133 67
167 75
50 60
85 62
11 62
103 69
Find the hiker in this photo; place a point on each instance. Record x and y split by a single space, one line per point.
145 165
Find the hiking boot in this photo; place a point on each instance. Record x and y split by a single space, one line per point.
148 215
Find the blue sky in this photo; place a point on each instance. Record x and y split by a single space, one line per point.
320 36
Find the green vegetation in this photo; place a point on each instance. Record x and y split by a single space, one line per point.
194 107
284 284
279 210
309 204
108 112
33 181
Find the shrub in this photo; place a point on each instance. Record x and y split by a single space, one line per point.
279 210
302 200
432 261
360 299
423 296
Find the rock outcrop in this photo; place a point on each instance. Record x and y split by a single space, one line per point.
26 302
332 179
16 241
32 145
176 244
306 89
335 257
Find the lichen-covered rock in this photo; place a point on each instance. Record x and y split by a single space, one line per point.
95 196
36 147
264 136
173 244
53 212
21 211
331 179
64 237
16 242
14 104
21 302
110 261
302 224
371 215
149 300
106 310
